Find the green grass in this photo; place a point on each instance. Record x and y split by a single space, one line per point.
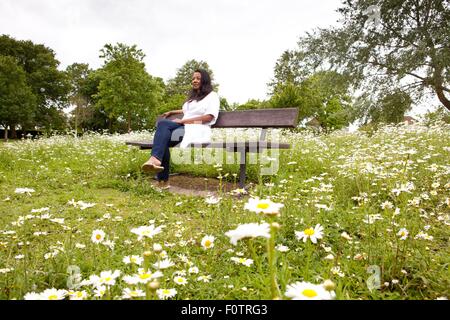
338 181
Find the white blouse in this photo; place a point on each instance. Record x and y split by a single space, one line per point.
200 133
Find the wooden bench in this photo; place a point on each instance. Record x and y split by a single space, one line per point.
259 118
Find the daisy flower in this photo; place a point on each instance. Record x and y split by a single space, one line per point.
282 248
403 234
98 236
164 264
244 261
166 293
147 231
193 270
263 206
24 190
212 200
204 278
78 295
108 277
249 230
312 234
53 294
32 296
308 291
133 259
207 242
180 280
130 294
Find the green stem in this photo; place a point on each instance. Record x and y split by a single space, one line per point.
274 289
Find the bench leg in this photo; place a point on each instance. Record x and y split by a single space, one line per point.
242 169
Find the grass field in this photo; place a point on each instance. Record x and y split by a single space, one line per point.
78 220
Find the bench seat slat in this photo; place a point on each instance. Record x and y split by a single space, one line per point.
250 146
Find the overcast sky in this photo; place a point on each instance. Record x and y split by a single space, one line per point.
239 39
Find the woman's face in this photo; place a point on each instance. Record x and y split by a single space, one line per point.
196 80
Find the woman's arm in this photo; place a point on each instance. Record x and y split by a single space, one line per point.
196 120
169 113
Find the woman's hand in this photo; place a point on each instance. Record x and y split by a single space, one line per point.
166 114
178 121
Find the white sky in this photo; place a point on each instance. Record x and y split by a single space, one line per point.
239 39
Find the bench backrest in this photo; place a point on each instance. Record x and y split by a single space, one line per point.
257 118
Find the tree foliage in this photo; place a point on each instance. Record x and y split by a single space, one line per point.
388 45
78 77
17 102
47 83
324 96
126 91
181 83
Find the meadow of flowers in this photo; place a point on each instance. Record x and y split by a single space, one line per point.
347 216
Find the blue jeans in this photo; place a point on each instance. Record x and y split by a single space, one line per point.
168 134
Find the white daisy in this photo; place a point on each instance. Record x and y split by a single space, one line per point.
98 236
249 230
133 259
403 233
130 294
163 264
24 190
180 280
312 234
166 293
147 231
108 277
53 294
212 200
32 296
308 291
208 242
263 206
78 295
243 261
206 278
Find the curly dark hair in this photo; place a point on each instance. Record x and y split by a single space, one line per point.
205 86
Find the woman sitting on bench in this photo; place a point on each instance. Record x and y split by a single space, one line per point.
200 112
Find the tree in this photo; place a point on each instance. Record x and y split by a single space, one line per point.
253 104
181 84
388 45
324 96
17 102
78 75
391 107
47 83
126 92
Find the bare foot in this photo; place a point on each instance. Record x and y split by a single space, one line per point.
155 161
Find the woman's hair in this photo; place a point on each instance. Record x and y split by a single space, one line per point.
205 86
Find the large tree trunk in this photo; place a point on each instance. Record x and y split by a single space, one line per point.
129 122
13 131
6 133
442 98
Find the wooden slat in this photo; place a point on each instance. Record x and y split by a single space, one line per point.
249 146
258 118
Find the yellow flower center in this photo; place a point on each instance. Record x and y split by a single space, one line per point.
309 232
207 243
53 297
310 293
98 237
144 276
262 206
166 291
